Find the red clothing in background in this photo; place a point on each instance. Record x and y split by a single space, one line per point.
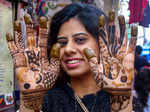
136 8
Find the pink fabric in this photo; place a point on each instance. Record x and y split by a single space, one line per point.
136 8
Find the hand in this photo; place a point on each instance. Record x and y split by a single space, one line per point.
117 55
35 73
115 69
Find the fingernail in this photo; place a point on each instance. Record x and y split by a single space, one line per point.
102 21
111 16
9 37
121 20
134 31
28 19
89 53
43 22
17 26
55 51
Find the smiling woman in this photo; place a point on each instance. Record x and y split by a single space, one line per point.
75 28
94 59
75 40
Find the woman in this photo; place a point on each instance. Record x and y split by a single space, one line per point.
75 28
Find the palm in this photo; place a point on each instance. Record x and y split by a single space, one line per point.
32 67
115 69
117 57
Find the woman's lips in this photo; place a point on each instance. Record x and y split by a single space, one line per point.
73 62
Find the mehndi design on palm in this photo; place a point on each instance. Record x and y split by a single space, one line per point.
32 66
117 55
115 69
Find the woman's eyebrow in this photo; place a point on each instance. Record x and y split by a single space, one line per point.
74 35
77 34
61 37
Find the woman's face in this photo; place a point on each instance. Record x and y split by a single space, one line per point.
73 39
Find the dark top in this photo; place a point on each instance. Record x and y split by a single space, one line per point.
140 61
137 106
61 99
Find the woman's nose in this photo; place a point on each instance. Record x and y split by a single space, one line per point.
69 48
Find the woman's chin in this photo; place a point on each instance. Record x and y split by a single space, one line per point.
76 72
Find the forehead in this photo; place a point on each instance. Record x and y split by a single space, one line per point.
71 27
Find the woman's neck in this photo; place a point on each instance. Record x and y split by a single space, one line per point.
84 85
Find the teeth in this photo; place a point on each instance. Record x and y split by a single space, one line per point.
73 61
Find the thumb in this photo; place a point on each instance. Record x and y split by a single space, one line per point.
55 51
95 68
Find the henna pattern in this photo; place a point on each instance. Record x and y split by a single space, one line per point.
38 78
50 75
114 53
33 98
94 66
116 68
33 70
19 41
26 85
119 103
33 59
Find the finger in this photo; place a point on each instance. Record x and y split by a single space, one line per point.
11 45
31 33
96 69
55 52
123 38
19 41
102 32
122 26
111 29
103 39
43 37
51 70
18 56
132 44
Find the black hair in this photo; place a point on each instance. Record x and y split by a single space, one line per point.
87 14
142 85
138 50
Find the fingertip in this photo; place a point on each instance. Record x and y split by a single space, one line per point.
27 19
121 20
55 51
89 53
111 16
102 21
134 31
43 22
9 37
17 26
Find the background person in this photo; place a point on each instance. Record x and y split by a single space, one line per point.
140 61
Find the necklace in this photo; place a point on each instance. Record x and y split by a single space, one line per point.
77 99
82 104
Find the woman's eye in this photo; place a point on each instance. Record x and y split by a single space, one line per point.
80 40
62 42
